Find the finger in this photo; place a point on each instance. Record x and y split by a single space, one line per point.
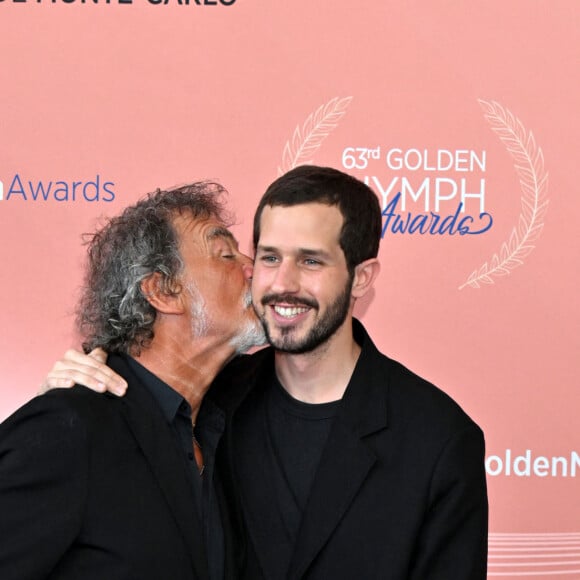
96 358
98 354
98 378
92 379
54 383
90 371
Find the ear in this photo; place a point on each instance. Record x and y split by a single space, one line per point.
164 299
365 275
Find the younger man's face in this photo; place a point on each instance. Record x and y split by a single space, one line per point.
301 285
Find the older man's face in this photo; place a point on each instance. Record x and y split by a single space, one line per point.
216 278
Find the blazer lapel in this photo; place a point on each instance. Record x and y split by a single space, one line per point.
249 455
346 460
155 440
343 468
262 506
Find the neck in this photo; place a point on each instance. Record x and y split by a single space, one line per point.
187 366
322 375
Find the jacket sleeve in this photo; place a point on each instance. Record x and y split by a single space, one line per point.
43 473
452 544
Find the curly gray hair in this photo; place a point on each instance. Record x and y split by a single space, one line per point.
113 313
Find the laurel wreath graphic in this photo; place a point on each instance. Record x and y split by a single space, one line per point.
529 165
534 185
307 139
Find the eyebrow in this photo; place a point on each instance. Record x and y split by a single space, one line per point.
299 251
220 232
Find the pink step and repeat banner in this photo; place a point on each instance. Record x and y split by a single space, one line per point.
461 115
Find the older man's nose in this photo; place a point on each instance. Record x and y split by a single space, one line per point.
247 266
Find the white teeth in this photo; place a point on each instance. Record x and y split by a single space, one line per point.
288 312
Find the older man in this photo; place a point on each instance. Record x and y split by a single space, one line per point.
342 463
99 487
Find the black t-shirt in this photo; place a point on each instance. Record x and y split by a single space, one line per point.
283 442
298 432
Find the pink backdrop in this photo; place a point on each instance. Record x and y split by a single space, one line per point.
431 99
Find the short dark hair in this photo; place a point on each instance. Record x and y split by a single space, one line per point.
113 312
361 231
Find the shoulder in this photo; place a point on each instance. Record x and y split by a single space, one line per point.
50 432
429 409
412 401
59 410
422 423
63 413
249 362
240 376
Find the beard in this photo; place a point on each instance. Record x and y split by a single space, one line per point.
251 334
199 319
320 332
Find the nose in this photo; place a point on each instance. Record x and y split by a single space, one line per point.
286 278
247 266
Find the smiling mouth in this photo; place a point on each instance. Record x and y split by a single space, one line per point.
288 306
289 311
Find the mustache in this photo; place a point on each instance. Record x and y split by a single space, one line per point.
288 299
247 300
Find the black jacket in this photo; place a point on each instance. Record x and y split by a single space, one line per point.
400 492
93 487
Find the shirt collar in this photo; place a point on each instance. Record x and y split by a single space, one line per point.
168 399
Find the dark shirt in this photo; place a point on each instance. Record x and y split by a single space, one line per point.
290 437
298 432
210 424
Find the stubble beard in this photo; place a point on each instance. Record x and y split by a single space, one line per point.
322 330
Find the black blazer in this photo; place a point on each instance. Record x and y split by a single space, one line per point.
94 487
400 492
